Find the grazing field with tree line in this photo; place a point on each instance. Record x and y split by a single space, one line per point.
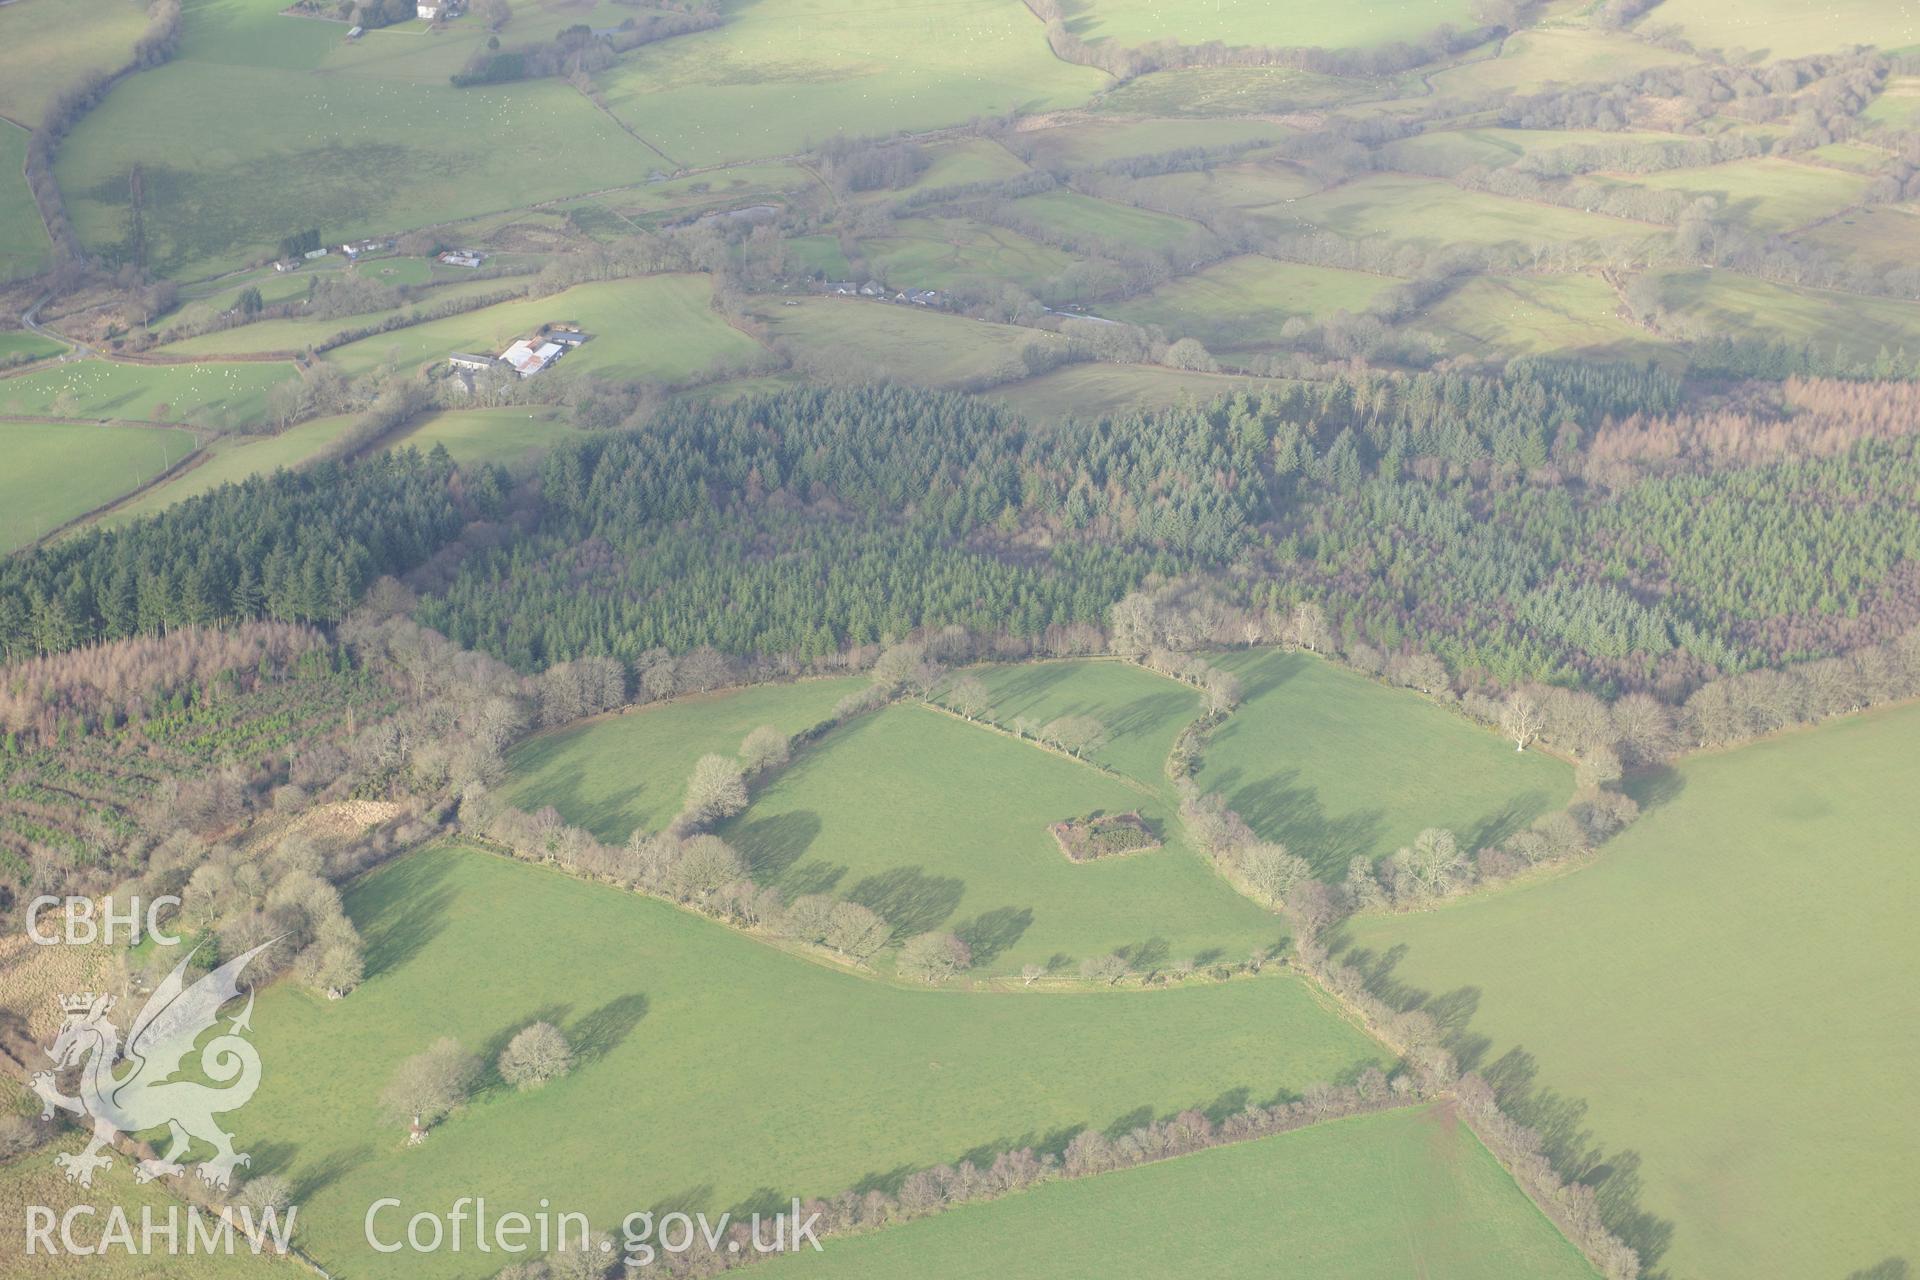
955 1075
1692 1027
1366 1196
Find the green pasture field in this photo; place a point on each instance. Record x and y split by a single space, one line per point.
857 338
955 164
1529 61
1068 213
1142 712
407 51
672 199
1334 765
294 334
1265 22
1448 152
1723 993
1790 29
1240 304
1094 390
783 75
1537 315
820 254
247 137
660 327
211 298
229 395
1091 142
35 1180
18 342
1725 302
935 823
1258 188
1858 156
1228 91
887 811
1887 234
714 1071
1379 1197
615 773
938 253
511 435
57 472
1898 103
1424 211
231 459
47 45
1768 194
395 271
732 389
24 247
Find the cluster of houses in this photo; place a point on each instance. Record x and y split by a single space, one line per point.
462 258
354 251
526 356
874 289
430 10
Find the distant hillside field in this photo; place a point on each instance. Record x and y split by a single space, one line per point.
1724 991
653 327
233 459
24 247
227 395
1265 22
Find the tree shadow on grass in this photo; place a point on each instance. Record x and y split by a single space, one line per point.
1145 957
691 1201
1885 1269
310 1182
1269 672
772 845
1279 810
1015 696
1230 1103
603 1030
909 899
989 934
1503 822
767 1202
812 877
411 914
1557 1118
610 815
1146 713
1653 788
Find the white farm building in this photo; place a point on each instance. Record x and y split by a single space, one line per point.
527 359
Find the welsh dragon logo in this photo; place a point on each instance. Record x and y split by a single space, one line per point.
148 1096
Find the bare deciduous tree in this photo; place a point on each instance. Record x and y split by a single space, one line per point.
1521 718
764 748
715 790
933 958
1272 870
970 697
538 1055
1109 968
428 1085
